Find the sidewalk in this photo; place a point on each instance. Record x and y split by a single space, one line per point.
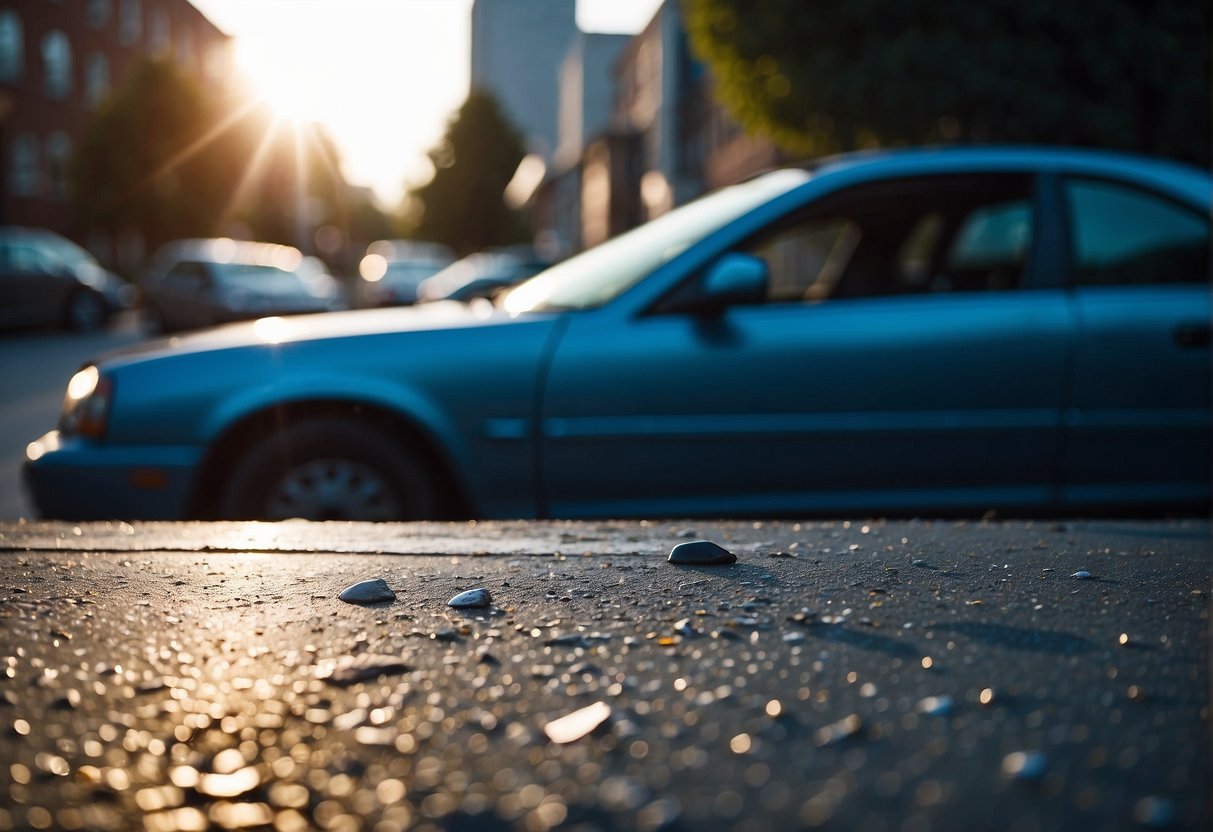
868 675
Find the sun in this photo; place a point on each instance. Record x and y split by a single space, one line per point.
291 91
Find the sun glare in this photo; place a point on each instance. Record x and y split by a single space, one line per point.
381 76
291 94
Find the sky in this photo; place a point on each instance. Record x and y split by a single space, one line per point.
382 75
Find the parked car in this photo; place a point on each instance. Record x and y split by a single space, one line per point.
196 283
923 330
482 275
392 270
46 279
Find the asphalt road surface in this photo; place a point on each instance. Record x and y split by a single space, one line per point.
907 675
35 366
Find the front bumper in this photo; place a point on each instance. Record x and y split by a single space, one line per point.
69 478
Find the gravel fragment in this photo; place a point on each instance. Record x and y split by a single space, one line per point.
576 725
1025 765
471 598
350 670
935 705
373 591
701 553
838 731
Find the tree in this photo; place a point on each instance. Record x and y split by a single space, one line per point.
820 76
144 162
172 159
463 204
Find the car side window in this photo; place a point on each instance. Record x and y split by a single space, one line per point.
25 258
927 234
1124 235
186 278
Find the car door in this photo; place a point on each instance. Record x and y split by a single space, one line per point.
34 284
908 355
183 297
1137 425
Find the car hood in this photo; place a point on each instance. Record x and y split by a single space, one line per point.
266 332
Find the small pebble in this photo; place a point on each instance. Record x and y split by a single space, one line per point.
471 598
1082 574
701 553
1155 812
1025 765
838 731
350 670
367 592
576 725
935 705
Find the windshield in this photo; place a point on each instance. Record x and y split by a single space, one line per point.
263 280
606 271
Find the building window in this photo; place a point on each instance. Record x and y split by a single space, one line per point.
25 178
96 79
158 39
98 13
58 157
185 50
130 21
57 64
12 47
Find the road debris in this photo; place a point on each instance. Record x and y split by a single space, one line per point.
574 726
471 599
701 553
374 591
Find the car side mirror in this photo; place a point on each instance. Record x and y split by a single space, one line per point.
733 279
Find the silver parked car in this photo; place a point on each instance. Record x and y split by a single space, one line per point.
46 279
195 283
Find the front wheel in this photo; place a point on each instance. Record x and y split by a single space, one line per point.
329 469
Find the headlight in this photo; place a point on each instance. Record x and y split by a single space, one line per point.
86 405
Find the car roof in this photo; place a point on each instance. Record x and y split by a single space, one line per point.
225 250
1179 179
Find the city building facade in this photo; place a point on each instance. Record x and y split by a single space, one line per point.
518 47
59 59
661 141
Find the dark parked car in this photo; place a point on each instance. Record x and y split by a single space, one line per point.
929 330
46 279
196 283
482 275
392 270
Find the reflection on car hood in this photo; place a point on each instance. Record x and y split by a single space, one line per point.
328 325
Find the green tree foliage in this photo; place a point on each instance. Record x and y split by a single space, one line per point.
171 158
141 164
825 75
463 205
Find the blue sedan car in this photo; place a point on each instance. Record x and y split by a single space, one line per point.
941 330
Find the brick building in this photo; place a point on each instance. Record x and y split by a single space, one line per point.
58 60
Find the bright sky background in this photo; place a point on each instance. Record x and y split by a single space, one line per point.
382 75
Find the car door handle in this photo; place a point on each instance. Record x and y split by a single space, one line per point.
1192 335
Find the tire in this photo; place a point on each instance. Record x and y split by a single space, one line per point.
85 311
329 469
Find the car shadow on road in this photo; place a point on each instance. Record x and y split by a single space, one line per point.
1019 638
865 639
